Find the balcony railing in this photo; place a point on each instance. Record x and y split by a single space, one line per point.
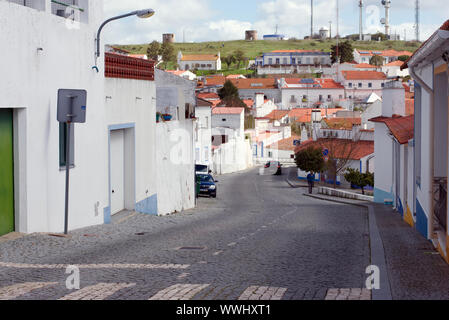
119 66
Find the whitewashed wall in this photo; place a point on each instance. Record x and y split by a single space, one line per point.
175 166
203 145
234 156
132 102
43 54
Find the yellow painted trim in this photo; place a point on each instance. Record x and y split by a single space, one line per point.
408 217
441 68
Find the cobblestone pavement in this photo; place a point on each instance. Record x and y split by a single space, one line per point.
261 239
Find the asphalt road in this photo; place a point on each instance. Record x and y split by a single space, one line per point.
259 239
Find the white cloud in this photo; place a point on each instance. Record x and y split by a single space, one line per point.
201 23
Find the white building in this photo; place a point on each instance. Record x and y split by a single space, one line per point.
262 107
309 93
45 54
393 133
296 58
359 85
183 74
364 56
232 151
203 145
429 69
131 128
393 69
199 61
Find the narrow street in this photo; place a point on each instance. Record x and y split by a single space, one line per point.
260 236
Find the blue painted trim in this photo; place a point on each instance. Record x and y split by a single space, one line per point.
421 220
399 206
113 128
380 196
107 215
148 205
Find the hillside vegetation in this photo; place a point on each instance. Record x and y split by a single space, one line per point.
257 48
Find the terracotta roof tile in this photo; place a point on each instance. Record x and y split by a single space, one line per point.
401 127
286 144
200 57
255 83
277 114
364 75
365 66
409 107
341 148
208 96
317 83
225 110
343 123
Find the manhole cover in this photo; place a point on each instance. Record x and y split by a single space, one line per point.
192 248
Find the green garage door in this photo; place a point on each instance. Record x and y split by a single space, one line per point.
6 173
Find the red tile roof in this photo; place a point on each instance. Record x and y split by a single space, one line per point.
401 127
365 66
225 110
208 96
343 123
317 84
299 112
200 57
341 148
255 83
364 75
286 144
248 102
277 114
215 81
397 63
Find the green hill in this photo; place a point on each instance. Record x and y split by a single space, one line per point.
256 48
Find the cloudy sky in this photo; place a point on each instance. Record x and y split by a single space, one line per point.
215 20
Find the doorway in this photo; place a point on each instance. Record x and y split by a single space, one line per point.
122 169
6 172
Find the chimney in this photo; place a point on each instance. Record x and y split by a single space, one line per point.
260 100
393 99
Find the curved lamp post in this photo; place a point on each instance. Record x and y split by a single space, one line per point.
146 13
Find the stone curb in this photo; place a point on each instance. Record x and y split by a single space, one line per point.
376 247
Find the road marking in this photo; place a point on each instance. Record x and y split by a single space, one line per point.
232 244
94 266
218 253
179 292
17 290
263 293
97 292
348 294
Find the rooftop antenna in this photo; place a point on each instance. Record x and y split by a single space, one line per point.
386 20
417 20
361 20
311 19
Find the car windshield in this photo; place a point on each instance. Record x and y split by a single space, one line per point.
207 178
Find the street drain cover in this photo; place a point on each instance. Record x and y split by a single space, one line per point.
192 248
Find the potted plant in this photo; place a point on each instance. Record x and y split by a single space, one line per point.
158 117
167 117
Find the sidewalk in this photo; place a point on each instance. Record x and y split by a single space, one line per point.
416 271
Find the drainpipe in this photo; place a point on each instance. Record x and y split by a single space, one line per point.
432 147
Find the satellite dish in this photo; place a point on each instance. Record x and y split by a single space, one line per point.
384 2
382 21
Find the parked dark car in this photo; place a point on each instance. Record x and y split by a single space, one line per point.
207 185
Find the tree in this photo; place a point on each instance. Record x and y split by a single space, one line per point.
310 160
168 53
153 50
228 90
345 52
239 57
358 179
229 60
377 61
403 58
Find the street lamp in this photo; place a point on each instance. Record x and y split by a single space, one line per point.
146 13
